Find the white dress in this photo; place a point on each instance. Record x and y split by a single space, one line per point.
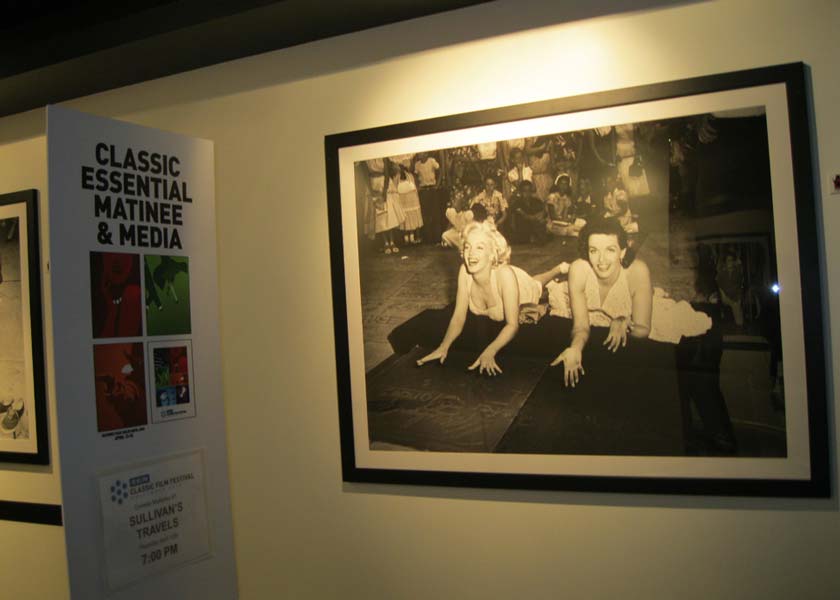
388 215
669 321
403 193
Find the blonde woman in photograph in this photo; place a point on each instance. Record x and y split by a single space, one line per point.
488 286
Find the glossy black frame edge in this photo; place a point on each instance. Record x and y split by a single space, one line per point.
42 456
30 512
794 76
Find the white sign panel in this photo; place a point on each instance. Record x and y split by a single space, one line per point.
154 518
134 296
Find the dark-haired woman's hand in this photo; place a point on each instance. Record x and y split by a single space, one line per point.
572 365
617 337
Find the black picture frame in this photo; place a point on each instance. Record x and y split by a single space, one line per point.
794 225
24 236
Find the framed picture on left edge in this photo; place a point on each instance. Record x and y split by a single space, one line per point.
613 292
23 418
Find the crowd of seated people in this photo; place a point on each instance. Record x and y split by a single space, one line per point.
530 188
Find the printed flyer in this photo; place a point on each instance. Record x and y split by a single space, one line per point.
154 517
137 361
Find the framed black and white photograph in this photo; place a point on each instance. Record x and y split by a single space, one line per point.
23 426
611 292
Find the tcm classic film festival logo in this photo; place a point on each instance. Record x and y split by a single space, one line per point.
157 507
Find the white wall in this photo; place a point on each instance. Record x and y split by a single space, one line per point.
300 532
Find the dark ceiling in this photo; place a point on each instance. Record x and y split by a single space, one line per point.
55 51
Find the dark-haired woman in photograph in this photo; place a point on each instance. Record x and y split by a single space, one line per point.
601 291
607 287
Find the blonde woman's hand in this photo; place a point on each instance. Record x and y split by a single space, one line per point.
438 354
572 365
486 363
617 337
